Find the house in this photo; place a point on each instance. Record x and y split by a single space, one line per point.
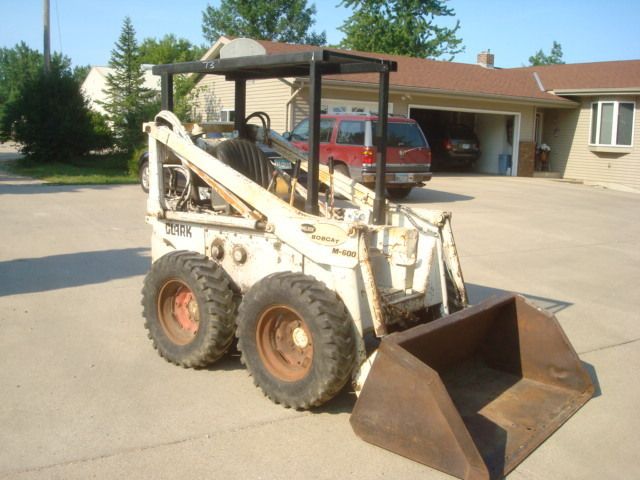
597 140
586 113
95 85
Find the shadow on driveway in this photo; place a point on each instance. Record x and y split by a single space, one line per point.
45 188
477 293
428 195
30 275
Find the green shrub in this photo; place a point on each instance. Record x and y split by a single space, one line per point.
50 118
134 158
102 134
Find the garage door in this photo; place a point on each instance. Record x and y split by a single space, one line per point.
480 141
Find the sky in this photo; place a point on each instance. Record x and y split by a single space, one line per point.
588 30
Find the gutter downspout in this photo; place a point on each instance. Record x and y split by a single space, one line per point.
288 105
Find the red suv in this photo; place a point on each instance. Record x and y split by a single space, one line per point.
348 138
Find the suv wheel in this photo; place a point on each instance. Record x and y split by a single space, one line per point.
143 175
398 193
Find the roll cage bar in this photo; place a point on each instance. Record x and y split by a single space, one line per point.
313 64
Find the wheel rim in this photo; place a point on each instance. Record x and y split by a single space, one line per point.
144 177
178 312
284 343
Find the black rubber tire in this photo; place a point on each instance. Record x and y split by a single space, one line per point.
331 331
211 289
245 156
143 173
398 193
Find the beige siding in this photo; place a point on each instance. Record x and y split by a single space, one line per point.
299 108
271 96
559 129
567 132
212 94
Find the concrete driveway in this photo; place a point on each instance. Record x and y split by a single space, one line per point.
84 395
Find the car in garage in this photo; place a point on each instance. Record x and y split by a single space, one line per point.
455 146
348 138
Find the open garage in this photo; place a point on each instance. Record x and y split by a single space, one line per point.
449 132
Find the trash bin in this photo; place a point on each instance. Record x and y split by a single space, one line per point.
504 163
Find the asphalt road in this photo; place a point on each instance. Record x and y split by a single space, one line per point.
84 395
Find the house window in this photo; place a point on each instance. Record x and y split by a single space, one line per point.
227 115
332 106
612 123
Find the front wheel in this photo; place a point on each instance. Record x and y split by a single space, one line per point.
398 193
296 339
189 308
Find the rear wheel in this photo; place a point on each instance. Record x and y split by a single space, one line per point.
296 339
189 309
398 193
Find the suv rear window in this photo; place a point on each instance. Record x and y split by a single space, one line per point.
351 132
404 135
460 131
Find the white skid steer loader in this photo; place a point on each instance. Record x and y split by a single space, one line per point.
242 248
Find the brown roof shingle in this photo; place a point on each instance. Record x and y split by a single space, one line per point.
516 83
583 76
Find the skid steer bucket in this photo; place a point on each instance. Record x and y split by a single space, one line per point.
472 394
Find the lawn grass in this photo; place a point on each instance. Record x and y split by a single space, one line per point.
94 169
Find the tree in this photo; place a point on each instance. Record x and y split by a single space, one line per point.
286 21
20 63
169 49
80 72
401 27
128 102
17 65
49 116
554 57
46 113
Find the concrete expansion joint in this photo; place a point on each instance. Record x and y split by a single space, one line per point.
607 347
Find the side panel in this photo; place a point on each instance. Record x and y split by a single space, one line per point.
168 236
249 256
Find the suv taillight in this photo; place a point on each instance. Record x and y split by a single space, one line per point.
368 156
447 144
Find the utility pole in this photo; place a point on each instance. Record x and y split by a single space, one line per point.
47 39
